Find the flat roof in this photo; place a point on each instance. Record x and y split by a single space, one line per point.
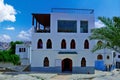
44 19
72 10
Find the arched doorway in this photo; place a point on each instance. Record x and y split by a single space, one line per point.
66 65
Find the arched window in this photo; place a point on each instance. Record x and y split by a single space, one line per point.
46 62
40 44
83 62
49 44
99 57
63 44
72 44
86 44
99 43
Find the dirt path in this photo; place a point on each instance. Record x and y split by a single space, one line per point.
61 77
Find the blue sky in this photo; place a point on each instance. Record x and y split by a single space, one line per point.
16 16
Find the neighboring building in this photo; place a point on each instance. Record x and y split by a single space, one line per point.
60 41
117 60
24 51
104 60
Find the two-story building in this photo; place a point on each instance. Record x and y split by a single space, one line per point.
60 41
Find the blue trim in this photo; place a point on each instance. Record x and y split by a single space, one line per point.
82 70
99 65
67 52
46 69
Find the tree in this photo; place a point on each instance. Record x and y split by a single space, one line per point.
109 34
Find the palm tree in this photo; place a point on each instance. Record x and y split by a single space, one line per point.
109 34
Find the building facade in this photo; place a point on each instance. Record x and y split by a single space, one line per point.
60 41
105 59
117 59
24 52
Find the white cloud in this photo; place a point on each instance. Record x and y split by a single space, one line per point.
99 24
5 38
7 12
25 35
10 28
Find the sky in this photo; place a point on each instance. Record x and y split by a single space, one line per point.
16 18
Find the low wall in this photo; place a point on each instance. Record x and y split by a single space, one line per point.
5 65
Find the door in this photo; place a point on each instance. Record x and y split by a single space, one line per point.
67 65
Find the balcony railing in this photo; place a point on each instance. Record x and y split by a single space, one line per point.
46 30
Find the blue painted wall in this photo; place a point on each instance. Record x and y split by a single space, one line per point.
99 65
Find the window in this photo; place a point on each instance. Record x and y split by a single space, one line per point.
67 26
86 44
22 49
46 62
49 44
40 44
72 44
63 44
83 62
99 57
114 55
118 56
99 43
108 57
83 26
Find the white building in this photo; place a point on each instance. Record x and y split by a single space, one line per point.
24 52
117 59
60 41
104 59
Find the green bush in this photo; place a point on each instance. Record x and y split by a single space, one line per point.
9 55
6 56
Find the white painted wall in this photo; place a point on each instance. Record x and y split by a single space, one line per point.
24 56
117 59
38 55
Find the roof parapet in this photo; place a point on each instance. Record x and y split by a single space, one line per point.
72 10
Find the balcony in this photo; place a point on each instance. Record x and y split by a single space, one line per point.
41 23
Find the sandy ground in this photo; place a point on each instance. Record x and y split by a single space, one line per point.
99 75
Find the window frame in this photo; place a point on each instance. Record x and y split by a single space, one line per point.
63 44
38 44
49 44
72 44
66 28
46 62
86 44
85 28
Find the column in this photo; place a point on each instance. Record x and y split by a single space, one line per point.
32 20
